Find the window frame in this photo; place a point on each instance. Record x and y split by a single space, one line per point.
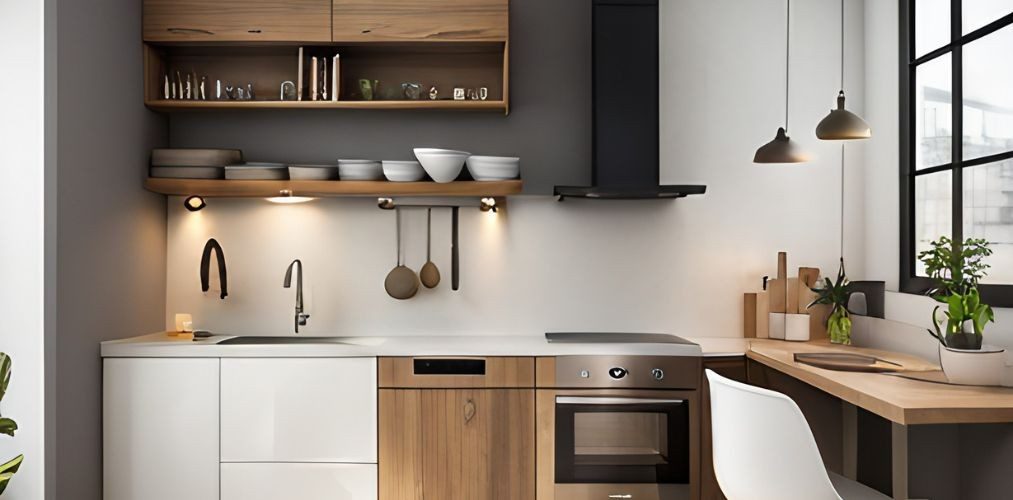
910 282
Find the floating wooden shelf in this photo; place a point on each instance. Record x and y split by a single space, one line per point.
171 105
267 189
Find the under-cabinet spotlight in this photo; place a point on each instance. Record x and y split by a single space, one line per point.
385 203
286 197
488 205
194 203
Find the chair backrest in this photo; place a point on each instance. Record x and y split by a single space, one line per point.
762 446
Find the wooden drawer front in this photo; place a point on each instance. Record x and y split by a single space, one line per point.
237 20
458 444
299 410
502 372
302 481
421 20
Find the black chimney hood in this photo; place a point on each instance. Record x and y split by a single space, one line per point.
624 82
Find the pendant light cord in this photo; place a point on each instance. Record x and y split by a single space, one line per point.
842 45
842 201
787 60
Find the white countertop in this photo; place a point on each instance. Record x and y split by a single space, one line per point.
158 345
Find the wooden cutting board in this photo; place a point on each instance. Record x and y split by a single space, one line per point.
848 362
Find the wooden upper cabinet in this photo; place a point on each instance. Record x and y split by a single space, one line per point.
421 20
237 20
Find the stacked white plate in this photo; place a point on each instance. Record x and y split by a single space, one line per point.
185 163
403 171
443 165
494 168
360 170
260 171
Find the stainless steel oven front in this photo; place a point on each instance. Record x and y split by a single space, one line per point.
625 428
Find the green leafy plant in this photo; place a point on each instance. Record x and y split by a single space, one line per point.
957 268
836 294
7 426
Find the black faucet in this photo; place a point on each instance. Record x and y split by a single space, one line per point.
300 316
205 267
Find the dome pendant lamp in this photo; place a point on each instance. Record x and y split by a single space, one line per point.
782 149
841 124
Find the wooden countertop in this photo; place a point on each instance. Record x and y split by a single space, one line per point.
901 400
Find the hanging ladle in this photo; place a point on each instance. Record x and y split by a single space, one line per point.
401 283
430 274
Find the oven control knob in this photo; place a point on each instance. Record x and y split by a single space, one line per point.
617 372
658 374
585 374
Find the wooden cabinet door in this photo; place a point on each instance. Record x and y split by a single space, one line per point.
160 428
237 20
459 444
421 20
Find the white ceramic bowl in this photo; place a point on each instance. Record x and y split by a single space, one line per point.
442 166
312 172
494 168
438 150
360 170
403 171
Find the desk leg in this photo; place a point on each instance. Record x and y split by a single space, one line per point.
849 423
898 447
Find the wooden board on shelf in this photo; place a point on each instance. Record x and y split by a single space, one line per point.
266 189
420 20
237 20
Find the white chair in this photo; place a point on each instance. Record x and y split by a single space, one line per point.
763 448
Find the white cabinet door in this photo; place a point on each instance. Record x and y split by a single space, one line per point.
160 429
298 481
299 410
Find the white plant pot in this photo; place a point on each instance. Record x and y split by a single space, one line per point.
973 367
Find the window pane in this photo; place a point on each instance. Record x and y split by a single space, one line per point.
977 13
933 211
988 214
932 25
988 95
933 113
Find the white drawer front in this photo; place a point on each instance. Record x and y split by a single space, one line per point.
298 481
299 410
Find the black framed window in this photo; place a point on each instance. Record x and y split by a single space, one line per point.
956 95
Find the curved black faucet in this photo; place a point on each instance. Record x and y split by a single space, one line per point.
205 267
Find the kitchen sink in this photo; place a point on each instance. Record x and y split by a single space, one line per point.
255 340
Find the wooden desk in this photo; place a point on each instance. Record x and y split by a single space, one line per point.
902 401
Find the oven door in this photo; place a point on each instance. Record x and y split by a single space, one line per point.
622 440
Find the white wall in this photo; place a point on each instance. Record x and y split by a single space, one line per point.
655 266
21 247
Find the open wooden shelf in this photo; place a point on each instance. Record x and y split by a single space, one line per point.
267 189
174 105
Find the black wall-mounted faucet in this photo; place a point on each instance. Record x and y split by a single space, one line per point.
300 316
205 267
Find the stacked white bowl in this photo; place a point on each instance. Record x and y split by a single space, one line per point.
360 170
403 171
494 168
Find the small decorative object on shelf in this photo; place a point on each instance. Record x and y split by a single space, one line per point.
458 93
434 93
411 91
957 269
288 92
7 425
483 93
836 295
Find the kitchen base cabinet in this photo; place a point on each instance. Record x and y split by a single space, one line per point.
302 481
160 429
299 410
467 444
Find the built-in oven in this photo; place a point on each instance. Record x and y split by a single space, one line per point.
622 428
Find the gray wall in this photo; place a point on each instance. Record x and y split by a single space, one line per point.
549 125
110 233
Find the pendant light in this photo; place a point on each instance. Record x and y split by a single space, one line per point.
782 149
841 124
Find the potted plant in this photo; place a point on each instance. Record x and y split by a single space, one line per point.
957 268
836 295
7 426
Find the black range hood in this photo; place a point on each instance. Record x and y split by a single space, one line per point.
624 82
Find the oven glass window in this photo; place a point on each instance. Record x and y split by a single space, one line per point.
639 438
